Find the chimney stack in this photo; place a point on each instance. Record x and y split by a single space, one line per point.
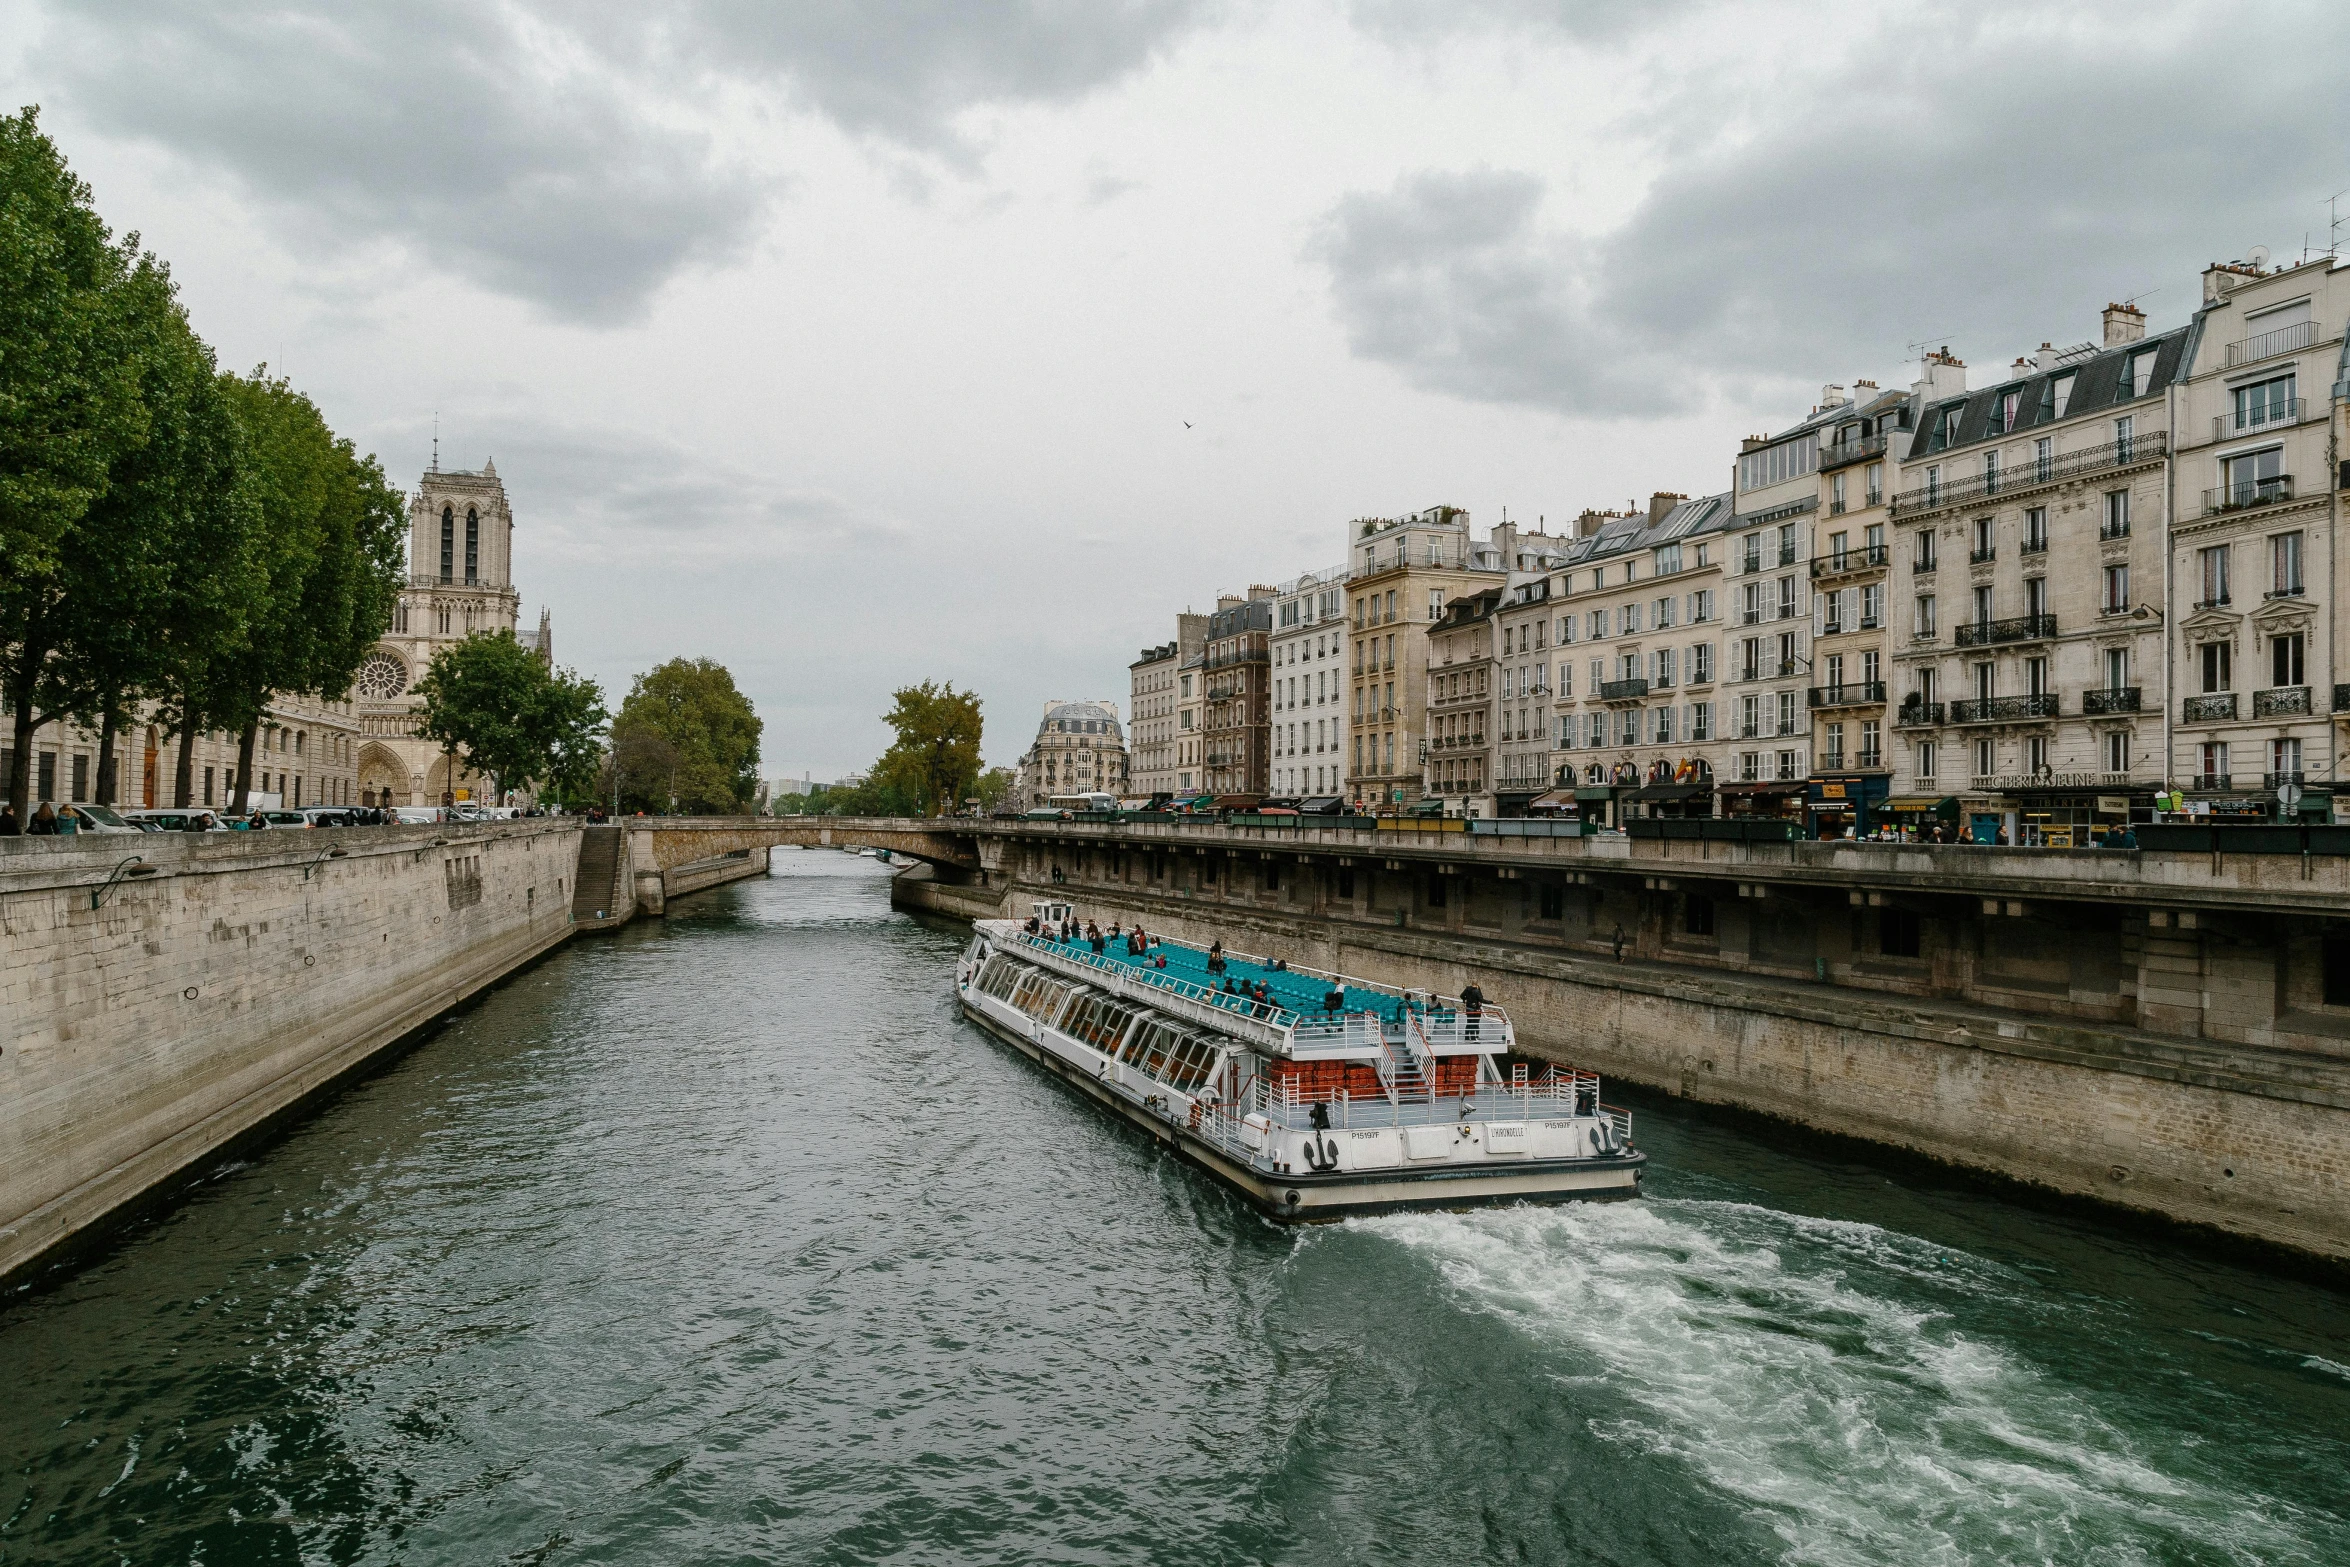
1661 504
2123 324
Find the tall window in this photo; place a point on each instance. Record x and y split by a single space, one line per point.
1984 760
2043 460
2256 477
2036 755
2117 751
2266 402
1982 604
1925 615
1923 560
1986 678
448 542
1875 477
1986 537
2116 598
2284 759
2215 764
2036 596
2117 669
2215 659
2125 429
2284 557
2035 528
1701 662
1926 761
2116 521
2211 567
2285 663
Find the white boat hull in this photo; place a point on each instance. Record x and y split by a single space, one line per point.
1293 1195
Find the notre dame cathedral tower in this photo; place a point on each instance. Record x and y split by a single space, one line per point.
460 581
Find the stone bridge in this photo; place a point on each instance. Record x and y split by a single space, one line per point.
669 856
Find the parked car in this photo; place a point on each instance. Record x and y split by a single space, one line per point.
332 815
419 815
176 821
105 818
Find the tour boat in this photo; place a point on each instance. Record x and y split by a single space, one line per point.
1331 1096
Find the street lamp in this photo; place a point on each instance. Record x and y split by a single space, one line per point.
131 869
330 854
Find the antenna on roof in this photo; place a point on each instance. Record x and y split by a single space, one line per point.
2149 293
2334 223
436 440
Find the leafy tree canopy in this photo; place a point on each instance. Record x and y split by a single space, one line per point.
687 740
513 718
934 761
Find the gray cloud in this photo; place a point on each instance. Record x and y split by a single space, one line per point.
1587 21
2064 167
558 154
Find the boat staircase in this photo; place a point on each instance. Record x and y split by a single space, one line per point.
1407 1082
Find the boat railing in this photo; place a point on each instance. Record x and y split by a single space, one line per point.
1523 1097
1129 978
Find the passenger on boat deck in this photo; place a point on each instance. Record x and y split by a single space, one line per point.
1473 1003
1334 1002
1033 927
1162 960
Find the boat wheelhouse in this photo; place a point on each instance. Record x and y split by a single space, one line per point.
1316 1095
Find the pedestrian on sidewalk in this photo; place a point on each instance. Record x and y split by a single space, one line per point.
1619 939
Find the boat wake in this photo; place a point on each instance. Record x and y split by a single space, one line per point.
1816 1371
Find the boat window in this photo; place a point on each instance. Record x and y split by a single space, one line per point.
1151 1045
1001 974
1030 994
1100 1022
1190 1064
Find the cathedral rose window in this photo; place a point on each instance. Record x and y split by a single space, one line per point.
382 675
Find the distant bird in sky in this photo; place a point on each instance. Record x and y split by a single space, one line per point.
1187 424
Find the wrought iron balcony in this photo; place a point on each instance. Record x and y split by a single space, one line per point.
2004 709
2248 494
1858 693
1922 568
2265 345
2256 416
2217 707
1622 690
1837 563
1984 556
2057 469
2037 546
2279 780
1914 714
2211 782
2114 699
1839 453
2016 628
2280 701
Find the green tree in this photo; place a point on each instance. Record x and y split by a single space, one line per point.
993 788
70 366
513 717
934 760
686 739
331 562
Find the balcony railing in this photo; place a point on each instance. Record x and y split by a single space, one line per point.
2280 701
1769 669
1914 714
2279 780
1922 568
1622 690
2016 628
2293 592
444 580
1838 562
2256 416
1867 759
2211 782
2035 547
2248 494
1837 454
1858 693
2212 709
1984 556
2220 602
2114 699
2263 345
2065 465
2004 709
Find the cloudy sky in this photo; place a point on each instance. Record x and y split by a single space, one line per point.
858 344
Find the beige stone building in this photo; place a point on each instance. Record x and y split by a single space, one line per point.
1236 709
1308 694
1851 585
460 581
2257 645
1401 572
1080 748
1636 689
2027 530
1191 711
1154 683
1460 721
306 753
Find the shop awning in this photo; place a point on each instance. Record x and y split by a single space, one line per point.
1556 800
1776 786
1920 802
1669 791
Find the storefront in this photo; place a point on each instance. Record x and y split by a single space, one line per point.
1516 802
1559 802
1921 815
1597 802
1844 805
1778 800
1675 799
2053 810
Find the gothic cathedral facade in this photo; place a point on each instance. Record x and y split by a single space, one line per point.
460 582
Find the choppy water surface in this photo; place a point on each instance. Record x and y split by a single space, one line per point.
722 1241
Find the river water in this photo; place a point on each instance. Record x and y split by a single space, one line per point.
723 1241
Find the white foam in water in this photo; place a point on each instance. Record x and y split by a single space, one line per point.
1861 1429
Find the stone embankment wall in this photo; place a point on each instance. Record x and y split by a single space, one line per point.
2249 1140
197 1004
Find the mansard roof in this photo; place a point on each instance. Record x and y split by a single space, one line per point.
2098 387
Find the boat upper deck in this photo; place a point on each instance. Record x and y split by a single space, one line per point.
1296 1019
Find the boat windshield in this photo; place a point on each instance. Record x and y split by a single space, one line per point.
1001 974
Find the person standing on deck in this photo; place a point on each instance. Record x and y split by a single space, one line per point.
1473 1003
